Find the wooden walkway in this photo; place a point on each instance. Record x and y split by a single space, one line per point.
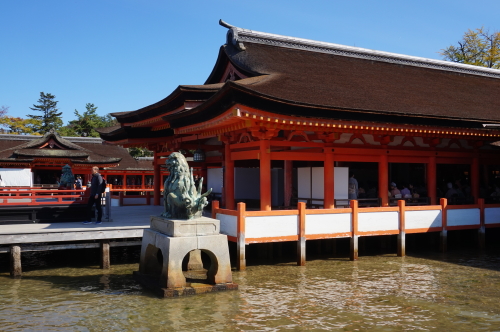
128 222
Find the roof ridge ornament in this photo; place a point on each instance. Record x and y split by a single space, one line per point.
237 36
232 35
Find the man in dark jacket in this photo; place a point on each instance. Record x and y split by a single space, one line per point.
95 196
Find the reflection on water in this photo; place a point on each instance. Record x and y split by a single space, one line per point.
456 291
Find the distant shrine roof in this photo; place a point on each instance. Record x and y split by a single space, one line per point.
79 150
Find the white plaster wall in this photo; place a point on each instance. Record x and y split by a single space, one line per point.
16 177
492 215
228 224
271 226
423 219
378 221
463 217
328 223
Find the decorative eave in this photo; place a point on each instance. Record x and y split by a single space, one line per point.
182 97
241 116
238 36
51 153
58 139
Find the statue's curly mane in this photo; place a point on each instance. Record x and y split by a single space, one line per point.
181 197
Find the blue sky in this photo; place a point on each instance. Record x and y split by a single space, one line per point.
122 55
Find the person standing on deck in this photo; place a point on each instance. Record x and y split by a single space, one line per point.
353 187
95 196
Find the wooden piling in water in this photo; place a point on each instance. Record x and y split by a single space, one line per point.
301 243
105 258
481 232
15 262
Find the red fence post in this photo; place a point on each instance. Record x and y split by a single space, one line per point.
444 232
241 262
481 231
301 243
215 207
120 198
402 232
354 230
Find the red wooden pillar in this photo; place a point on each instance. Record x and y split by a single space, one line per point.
156 179
383 179
228 178
474 178
329 180
288 179
431 180
265 175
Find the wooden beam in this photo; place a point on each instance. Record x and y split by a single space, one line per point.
72 236
305 156
244 155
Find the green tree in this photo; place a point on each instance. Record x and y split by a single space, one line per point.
478 47
50 117
86 123
140 152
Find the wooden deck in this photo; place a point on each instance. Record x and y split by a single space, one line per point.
125 229
127 222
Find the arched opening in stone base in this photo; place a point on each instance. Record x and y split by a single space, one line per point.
154 261
200 266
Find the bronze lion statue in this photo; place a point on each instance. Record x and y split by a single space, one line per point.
67 178
182 200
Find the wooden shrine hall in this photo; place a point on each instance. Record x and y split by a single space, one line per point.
277 102
273 98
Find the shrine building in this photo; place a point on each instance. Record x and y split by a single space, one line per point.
290 117
36 161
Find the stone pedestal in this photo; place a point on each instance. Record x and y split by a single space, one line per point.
164 247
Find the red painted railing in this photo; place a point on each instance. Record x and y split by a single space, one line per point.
25 196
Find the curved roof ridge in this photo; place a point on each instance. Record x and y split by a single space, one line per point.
238 36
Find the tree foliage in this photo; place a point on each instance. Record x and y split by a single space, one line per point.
86 123
140 152
19 125
478 47
50 117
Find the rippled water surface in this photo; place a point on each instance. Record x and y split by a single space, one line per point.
456 291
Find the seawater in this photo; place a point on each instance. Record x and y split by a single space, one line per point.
456 291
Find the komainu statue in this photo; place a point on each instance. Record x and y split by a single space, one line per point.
182 200
67 178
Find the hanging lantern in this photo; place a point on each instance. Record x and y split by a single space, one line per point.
199 154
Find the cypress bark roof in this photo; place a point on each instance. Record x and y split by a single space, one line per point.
307 78
80 150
